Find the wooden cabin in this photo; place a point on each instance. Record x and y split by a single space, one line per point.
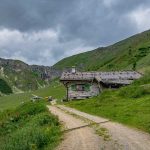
81 85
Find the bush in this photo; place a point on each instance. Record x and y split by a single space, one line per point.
12 120
46 118
39 132
31 108
138 89
30 126
4 87
133 91
143 80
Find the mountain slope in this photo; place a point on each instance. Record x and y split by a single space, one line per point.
23 77
131 53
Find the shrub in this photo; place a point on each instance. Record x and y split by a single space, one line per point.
31 108
138 88
46 118
4 87
39 132
30 126
143 80
133 91
14 119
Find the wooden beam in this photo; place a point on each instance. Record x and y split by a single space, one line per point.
67 92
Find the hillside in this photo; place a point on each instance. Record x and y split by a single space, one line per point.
23 77
131 53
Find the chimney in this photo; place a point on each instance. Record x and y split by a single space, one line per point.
73 69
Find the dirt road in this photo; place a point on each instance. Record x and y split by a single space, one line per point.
128 138
80 139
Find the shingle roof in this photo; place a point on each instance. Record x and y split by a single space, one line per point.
77 76
124 82
124 77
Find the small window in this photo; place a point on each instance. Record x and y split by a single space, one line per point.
87 87
80 87
73 87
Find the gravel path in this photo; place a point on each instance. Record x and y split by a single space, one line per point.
80 139
129 138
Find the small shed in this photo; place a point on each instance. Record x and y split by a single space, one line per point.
81 85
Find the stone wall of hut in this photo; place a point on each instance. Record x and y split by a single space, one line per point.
90 91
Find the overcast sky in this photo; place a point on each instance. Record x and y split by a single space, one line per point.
45 31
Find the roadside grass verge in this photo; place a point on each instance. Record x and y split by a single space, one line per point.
29 127
129 105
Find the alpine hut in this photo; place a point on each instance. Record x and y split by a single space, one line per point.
81 85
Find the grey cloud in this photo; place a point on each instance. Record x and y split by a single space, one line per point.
32 14
75 19
77 23
128 5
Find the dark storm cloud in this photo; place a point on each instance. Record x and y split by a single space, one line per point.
100 24
33 14
44 31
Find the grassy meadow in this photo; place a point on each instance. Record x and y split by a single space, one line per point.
129 105
29 126
55 89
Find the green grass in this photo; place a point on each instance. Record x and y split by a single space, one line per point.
56 90
129 105
133 112
28 127
131 53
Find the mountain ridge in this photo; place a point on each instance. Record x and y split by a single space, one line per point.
23 77
128 54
